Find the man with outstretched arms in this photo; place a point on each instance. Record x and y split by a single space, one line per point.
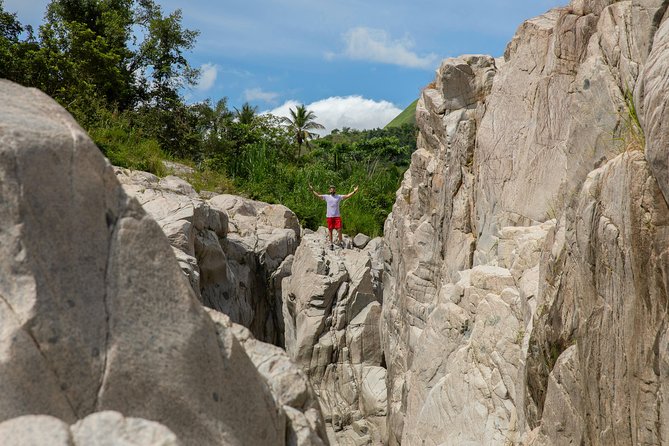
333 216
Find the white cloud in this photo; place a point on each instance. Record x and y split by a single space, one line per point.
376 45
354 112
208 75
257 94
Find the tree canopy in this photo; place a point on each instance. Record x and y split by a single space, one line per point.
120 54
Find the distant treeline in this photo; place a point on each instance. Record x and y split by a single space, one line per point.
119 66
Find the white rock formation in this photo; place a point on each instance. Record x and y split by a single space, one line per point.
606 308
332 305
525 271
259 246
431 234
95 313
235 251
287 382
525 286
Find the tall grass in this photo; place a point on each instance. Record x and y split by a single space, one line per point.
126 146
278 182
633 137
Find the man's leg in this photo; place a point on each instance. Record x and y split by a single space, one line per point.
330 227
339 231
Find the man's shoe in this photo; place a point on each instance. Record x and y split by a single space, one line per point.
331 247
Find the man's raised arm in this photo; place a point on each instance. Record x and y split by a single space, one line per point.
316 194
349 195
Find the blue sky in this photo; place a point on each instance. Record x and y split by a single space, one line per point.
355 63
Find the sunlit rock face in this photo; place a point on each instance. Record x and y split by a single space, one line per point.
525 285
332 306
100 329
106 427
235 251
431 237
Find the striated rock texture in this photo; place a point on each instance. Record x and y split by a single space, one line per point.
332 306
95 313
235 251
525 288
431 234
605 314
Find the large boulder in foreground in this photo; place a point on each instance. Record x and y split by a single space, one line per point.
95 313
287 382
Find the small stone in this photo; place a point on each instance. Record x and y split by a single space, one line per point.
361 240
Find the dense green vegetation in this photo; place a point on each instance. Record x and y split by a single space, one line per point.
119 66
375 160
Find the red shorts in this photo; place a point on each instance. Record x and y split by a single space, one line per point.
334 222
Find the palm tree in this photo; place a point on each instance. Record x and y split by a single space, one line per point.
247 114
300 124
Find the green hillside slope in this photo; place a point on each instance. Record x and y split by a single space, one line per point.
408 116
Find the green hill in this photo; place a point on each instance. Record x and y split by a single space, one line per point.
408 116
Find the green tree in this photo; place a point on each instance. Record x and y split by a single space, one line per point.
114 54
300 123
84 57
212 125
247 114
16 40
10 27
161 56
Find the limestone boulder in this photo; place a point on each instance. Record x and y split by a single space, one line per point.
288 384
95 313
187 221
361 240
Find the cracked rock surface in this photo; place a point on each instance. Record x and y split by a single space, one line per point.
234 251
525 288
332 308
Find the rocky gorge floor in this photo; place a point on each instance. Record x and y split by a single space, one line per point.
252 262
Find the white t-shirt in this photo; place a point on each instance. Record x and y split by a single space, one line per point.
333 204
